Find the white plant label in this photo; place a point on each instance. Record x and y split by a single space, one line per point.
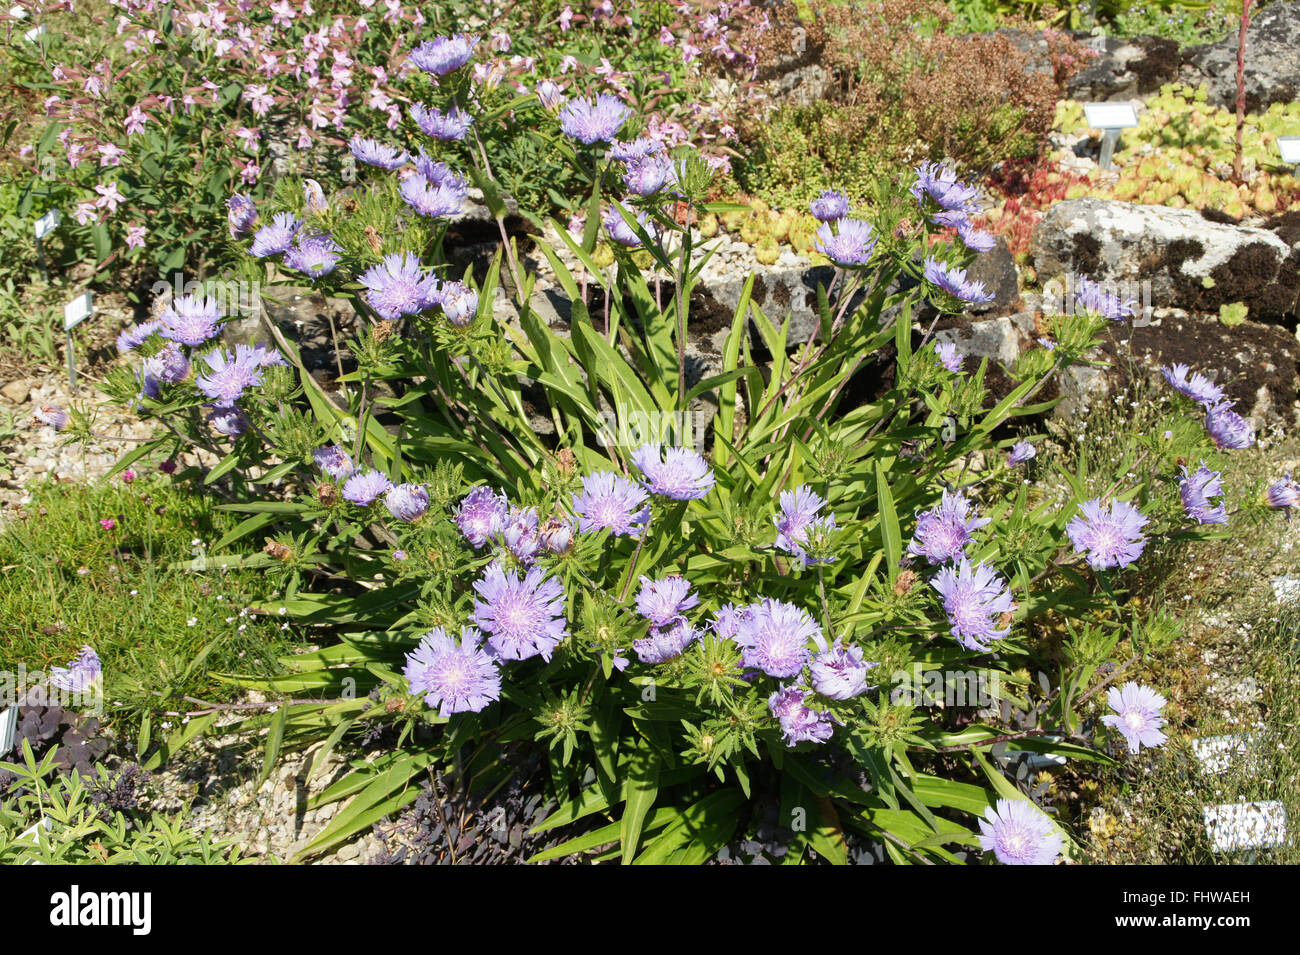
8 726
1289 147
1217 753
78 310
31 35
1245 825
47 223
1110 115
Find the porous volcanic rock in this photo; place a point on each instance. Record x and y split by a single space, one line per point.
1272 72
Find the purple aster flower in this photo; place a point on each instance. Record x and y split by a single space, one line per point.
241 215
943 532
150 378
1094 297
556 536
228 421
1019 833
621 232
830 206
51 415
645 177
173 366
679 473
444 54
132 338
954 281
611 502
190 320
938 184
949 357
454 676
799 722
524 618
451 125
1109 538
662 644
1283 493
726 621
406 502
975 239
81 673
1198 387
1137 715
440 194
482 515
1021 452
520 534
1197 489
839 672
374 153
229 376
799 508
334 461
263 353
973 601
846 242
398 286
313 255
664 602
1229 430
595 121
774 637
459 303
364 488
636 150
277 237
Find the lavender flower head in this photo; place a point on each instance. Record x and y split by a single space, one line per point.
1283 493
1021 452
81 673
596 121
398 286
1109 538
974 600
241 215
524 618
1197 489
943 532
132 338
846 242
621 232
228 421
459 303
1197 387
949 357
664 602
611 502
481 515
1137 715
677 473
829 206
448 126
407 502
190 320
1019 833
454 676
774 637
1229 430
51 415
229 375
645 177
433 190
662 644
937 186
381 155
364 488
520 534
953 280
800 523
334 461
315 255
277 237
799 722
444 54
839 672
1094 297
635 150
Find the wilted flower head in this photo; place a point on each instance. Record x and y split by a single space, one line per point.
407 502
938 184
520 534
277 237
481 515
444 54
228 421
611 502
1021 452
775 636
839 672
799 722
229 376
954 281
1094 297
374 153
550 93
846 242
1019 833
943 532
1197 387
556 536
1229 430
241 215
949 357
1109 538
454 676
679 473
524 618
596 121
51 415
1197 489
1283 492
190 320
974 600
451 125
398 286
80 674
1137 715
665 601
830 205
334 461
364 488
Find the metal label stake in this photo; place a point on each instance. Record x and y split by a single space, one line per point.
1110 118
74 313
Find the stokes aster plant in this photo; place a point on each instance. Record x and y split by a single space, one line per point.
690 627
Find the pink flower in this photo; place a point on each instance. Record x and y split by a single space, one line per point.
135 239
85 213
135 120
569 62
110 154
108 523
109 197
566 18
128 476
